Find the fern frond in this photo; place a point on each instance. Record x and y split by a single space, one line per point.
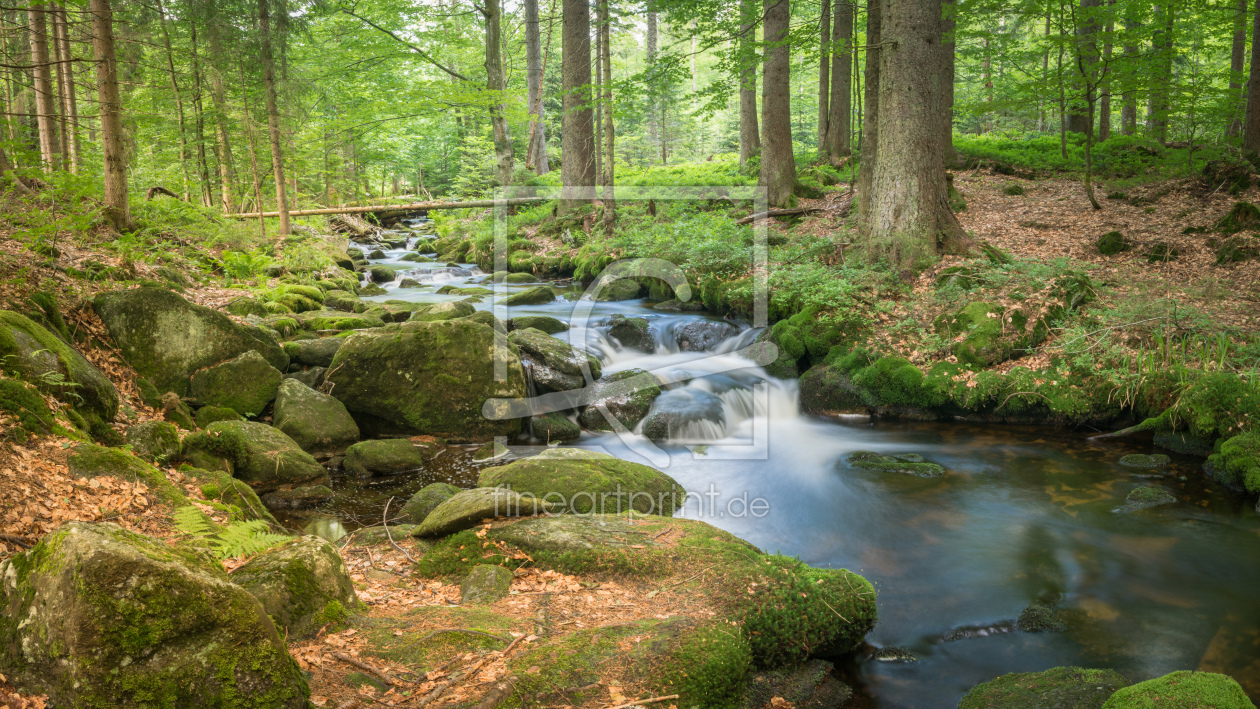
190 520
246 539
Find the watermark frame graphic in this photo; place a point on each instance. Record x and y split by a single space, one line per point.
758 353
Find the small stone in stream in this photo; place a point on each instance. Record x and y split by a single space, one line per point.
906 464
703 335
381 274
354 253
1138 460
443 311
299 498
633 333
490 451
538 295
545 323
156 441
372 289
894 654
1040 618
485 584
1147 496
376 254
612 288
689 306
519 278
384 457
409 283
411 257
678 411
554 427
1056 688
627 396
427 500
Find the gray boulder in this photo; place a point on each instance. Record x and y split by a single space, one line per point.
427 500
298 584
626 395
318 423
703 335
312 377
262 456
554 426
313 353
555 365
155 441
466 509
385 457
632 332
245 384
305 497
676 410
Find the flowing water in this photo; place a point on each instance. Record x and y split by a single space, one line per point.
1026 514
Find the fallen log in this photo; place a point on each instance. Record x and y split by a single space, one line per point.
412 207
779 213
157 190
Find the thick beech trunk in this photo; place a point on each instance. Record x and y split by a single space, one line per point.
778 168
870 113
497 83
749 135
840 107
577 167
117 208
45 99
1251 127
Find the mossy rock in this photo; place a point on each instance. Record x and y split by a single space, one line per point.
632 332
962 277
318 423
1243 216
490 450
1210 407
615 289
544 323
1183 690
263 457
177 412
468 508
430 378
485 584
384 457
1040 618
296 581
427 499
246 384
1139 460
554 427
1013 190
487 318
29 351
155 441
207 415
107 597
412 257
678 412
1238 462
991 333
1183 443
626 395
220 486
344 301
313 353
828 391
305 497
905 464
584 482
243 307
1147 496
554 364
336 320
27 410
538 295
1112 243
1236 249
89 460
457 290
703 662
166 338
1056 688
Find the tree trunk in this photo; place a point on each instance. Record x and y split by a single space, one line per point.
577 167
179 102
824 76
778 169
949 23
597 86
45 109
1104 98
1251 128
749 136
870 113
62 107
909 218
218 98
1162 44
839 108
496 81
609 133
1079 118
69 100
253 156
273 115
199 125
1236 58
1128 106
650 41
117 208
536 157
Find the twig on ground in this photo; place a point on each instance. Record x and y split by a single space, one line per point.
637 702
367 668
385 523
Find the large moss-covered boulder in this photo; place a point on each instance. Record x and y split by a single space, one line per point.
427 499
467 508
612 288
31 352
245 384
391 456
554 427
97 616
444 311
88 460
626 395
538 295
166 338
156 441
582 482
554 364
305 497
683 412
1238 462
1182 690
990 334
297 583
486 583
428 378
313 353
545 323
262 456
703 335
828 391
1056 688
318 423
220 486
632 332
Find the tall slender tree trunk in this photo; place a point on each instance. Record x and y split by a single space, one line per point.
824 76
1251 125
1079 118
605 21
253 157
536 156
1236 58
577 166
496 81
909 218
778 169
199 125
45 102
650 40
273 115
1104 97
597 85
949 22
749 135
1161 90
117 208
870 112
63 113
69 100
1042 118
839 108
1128 97
179 101
218 99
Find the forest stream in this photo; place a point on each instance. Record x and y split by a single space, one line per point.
1024 516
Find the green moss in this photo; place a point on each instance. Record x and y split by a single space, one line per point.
31 352
1056 688
1013 190
1242 216
906 464
895 381
207 415
586 481
90 460
1183 690
1113 242
24 404
1238 462
1040 618
1138 460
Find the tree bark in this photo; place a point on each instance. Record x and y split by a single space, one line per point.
199 125
218 99
597 86
45 110
1128 106
69 100
609 132
179 102
62 107
496 81
273 115
536 157
253 156
778 169
1251 127
1162 43
577 166
1104 98
117 208
650 40
749 135
824 76
909 218
949 23
1079 118
1236 58
870 113
839 108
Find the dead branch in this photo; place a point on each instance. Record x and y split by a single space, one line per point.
157 190
778 213
367 668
